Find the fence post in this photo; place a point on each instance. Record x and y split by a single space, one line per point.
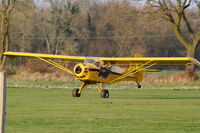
2 101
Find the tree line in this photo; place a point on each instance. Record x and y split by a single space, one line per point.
106 28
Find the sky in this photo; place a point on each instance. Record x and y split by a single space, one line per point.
43 3
40 2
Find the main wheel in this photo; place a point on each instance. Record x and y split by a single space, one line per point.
104 93
139 86
75 93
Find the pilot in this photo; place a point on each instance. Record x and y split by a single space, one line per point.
104 69
101 63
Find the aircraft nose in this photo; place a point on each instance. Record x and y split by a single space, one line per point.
78 69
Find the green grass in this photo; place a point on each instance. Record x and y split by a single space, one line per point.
77 84
34 110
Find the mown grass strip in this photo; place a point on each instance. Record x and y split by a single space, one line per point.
33 110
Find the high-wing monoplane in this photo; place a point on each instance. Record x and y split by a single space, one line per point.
106 70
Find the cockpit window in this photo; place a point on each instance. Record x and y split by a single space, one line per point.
97 63
91 61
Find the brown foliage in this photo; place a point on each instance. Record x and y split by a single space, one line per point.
109 28
8 71
36 66
187 74
180 78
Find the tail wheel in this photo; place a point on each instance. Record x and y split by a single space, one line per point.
104 93
75 93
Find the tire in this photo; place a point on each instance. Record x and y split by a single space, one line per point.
75 93
139 86
104 93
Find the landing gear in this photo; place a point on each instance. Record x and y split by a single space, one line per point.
75 93
104 93
138 85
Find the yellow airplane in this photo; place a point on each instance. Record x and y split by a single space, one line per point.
106 70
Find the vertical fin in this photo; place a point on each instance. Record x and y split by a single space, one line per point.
138 55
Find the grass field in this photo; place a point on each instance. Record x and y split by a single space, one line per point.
35 110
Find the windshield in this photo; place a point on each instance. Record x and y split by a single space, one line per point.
92 61
89 61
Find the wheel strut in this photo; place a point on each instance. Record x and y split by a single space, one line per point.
138 85
77 92
104 93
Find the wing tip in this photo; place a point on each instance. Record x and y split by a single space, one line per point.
195 61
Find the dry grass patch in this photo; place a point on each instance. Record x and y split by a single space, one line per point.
176 78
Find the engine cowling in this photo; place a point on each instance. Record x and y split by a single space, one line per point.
81 70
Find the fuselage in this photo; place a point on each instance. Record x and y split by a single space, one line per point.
97 73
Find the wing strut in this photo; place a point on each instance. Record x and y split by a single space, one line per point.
57 65
133 71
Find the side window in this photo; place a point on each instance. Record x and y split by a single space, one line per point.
97 64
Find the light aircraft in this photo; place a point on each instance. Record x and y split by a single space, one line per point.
106 70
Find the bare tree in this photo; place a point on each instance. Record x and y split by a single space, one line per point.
175 13
198 4
58 31
5 11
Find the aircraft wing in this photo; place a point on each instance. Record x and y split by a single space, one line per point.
112 60
158 60
45 56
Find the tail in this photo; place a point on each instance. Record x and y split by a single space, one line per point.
138 55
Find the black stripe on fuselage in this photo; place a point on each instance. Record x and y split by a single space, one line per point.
94 70
97 70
